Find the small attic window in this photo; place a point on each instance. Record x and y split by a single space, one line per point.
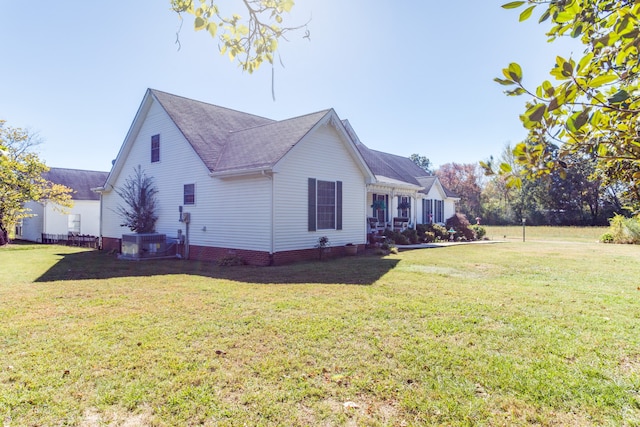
189 195
155 148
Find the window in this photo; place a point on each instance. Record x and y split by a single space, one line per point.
325 205
404 207
380 207
189 194
439 211
427 211
73 223
155 148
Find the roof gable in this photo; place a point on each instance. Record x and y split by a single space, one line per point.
81 181
206 126
263 146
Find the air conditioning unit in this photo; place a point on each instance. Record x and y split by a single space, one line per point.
146 245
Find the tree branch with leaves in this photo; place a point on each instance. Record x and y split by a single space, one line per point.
21 179
251 40
592 105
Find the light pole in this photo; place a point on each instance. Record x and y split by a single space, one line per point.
524 222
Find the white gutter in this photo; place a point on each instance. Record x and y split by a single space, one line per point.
240 172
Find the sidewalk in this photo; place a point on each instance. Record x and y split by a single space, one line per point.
445 244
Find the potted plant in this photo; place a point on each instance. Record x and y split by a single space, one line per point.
404 205
350 249
379 205
323 245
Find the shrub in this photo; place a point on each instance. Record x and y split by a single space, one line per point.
460 223
396 237
479 230
440 232
624 230
230 261
139 194
411 234
429 237
607 238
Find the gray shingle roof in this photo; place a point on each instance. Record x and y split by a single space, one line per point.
263 146
81 181
230 140
391 166
205 126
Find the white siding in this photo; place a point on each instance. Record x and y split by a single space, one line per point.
53 219
178 165
449 209
321 155
32 226
227 213
240 214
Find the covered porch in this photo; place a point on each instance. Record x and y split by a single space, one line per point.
392 204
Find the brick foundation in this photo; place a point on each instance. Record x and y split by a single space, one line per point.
259 258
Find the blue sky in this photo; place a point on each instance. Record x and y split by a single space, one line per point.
411 76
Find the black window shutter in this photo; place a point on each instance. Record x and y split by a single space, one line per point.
312 204
339 205
375 212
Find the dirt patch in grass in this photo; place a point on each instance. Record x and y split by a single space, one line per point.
116 417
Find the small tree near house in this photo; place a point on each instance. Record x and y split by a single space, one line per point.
139 195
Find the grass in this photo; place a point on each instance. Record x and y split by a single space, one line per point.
542 333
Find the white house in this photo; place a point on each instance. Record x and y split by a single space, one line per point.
260 189
403 189
50 219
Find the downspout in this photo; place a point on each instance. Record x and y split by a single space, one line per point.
273 218
44 218
100 225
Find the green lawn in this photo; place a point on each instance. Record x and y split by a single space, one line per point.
542 332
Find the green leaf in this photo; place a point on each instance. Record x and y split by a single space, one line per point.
513 5
544 16
505 168
584 61
564 16
526 14
536 113
577 31
602 150
212 28
618 97
199 23
515 72
602 80
504 82
577 120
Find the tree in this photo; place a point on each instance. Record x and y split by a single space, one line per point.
139 194
593 106
421 161
464 180
21 179
251 40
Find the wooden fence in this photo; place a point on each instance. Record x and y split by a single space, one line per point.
70 240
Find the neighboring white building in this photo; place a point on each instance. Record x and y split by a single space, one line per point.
51 219
253 187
